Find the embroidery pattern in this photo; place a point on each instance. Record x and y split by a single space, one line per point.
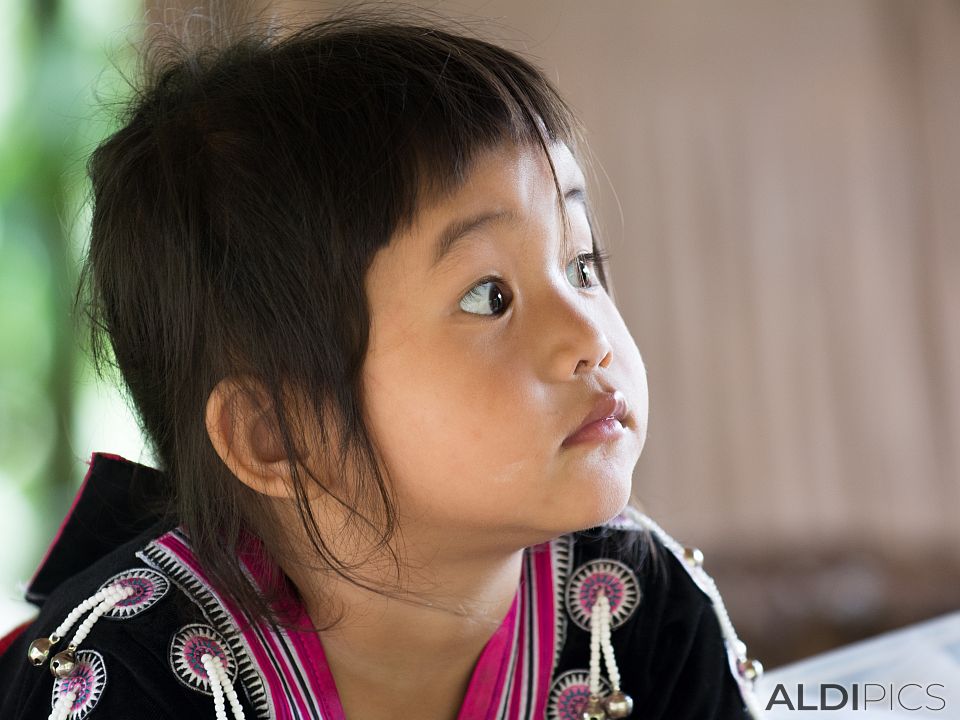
190 644
149 586
619 583
87 681
562 558
569 693
158 557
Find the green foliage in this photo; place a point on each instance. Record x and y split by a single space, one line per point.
59 62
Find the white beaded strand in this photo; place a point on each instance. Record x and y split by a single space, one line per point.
613 672
79 610
595 647
63 663
114 595
600 629
229 691
40 648
709 587
214 679
63 707
221 687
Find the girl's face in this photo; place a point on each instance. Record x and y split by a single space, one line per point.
482 362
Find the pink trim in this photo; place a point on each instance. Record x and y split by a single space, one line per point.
279 697
306 644
543 571
517 684
536 660
11 637
73 506
489 677
490 673
111 456
311 654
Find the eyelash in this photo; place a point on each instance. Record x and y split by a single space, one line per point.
593 258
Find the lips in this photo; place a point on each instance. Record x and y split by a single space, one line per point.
607 406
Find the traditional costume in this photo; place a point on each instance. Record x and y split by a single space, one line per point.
615 621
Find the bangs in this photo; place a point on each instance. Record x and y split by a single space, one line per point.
416 106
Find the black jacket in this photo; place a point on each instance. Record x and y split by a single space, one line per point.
677 655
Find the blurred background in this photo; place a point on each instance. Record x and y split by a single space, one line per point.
778 184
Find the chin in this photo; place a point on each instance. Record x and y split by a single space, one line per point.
601 502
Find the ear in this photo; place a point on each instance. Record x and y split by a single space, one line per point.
241 423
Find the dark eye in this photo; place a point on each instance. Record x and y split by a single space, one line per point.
484 298
580 271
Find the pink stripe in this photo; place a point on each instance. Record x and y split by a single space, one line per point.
310 651
490 672
520 669
280 701
307 644
278 692
487 681
542 650
543 569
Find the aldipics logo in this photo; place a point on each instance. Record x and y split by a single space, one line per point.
859 696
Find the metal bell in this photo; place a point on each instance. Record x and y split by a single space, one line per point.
618 704
39 651
594 709
693 556
750 668
63 663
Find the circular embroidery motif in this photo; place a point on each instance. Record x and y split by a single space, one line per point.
87 681
569 694
619 583
187 648
148 585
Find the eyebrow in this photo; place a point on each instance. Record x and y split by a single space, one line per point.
457 230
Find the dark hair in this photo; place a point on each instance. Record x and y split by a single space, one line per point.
242 174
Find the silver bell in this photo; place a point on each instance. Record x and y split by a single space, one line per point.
693 556
63 663
594 709
618 705
39 651
750 668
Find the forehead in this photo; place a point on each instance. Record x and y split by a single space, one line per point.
504 183
510 173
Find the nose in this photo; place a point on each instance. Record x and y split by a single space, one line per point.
569 330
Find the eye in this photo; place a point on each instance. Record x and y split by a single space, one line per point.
580 271
486 295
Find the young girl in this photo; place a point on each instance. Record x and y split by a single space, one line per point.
350 281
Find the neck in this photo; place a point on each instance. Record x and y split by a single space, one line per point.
422 646
426 626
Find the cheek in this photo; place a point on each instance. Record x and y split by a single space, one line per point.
444 419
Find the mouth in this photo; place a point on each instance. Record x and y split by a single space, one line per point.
606 420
